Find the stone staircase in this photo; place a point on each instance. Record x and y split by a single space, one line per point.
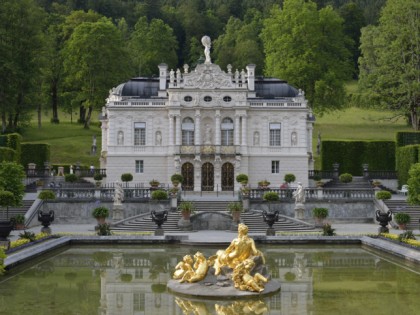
13 211
253 219
402 206
358 182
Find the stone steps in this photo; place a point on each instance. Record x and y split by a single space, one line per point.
402 206
13 211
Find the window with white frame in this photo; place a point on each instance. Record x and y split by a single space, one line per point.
139 166
139 133
275 167
275 134
227 131
187 131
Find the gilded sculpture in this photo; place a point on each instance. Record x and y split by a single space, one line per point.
238 262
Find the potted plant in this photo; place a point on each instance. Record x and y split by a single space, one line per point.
346 178
264 184
6 226
242 178
320 214
126 177
173 192
289 178
235 209
19 221
159 195
46 195
100 214
98 178
176 179
154 183
186 208
383 195
270 197
402 219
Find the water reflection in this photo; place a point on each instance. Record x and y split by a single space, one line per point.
132 281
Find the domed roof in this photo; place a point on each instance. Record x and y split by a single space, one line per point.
274 88
138 87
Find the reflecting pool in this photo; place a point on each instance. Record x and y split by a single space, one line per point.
131 280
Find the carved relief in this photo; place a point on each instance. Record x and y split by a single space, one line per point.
208 77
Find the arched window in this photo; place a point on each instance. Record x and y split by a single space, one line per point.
227 131
187 131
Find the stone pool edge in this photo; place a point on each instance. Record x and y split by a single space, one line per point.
29 253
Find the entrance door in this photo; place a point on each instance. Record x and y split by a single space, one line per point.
188 174
227 176
207 177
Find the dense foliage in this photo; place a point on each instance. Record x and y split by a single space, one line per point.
405 158
11 179
37 153
379 155
414 184
60 54
407 138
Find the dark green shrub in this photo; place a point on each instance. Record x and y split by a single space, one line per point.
414 185
407 138
383 195
327 230
346 178
177 178
402 218
7 155
70 178
405 158
14 142
100 212
242 178
186 206
97 177
235 207
19 219
37 153
289 178
28 235
104 229
407 235
126 177
46 195
271 196
320 213
7 200
159 195
11 178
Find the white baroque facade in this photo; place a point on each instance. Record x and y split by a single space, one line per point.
209 125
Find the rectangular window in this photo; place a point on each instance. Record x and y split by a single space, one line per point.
227 137
139 133
139 166
275 133
187 137
275 167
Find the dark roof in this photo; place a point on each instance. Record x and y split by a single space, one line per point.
139 87
274 88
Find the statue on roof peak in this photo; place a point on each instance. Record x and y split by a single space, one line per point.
206 41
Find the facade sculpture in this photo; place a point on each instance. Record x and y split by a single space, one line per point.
299 194
118 193
206 41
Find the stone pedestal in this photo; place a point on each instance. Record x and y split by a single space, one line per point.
270 232
245 203
174 202
299 211
185 224
159 232
383 229
117 212
46 230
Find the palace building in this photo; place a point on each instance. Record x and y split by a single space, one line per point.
208 125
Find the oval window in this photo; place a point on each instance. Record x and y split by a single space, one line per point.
227 99
207 99
188 98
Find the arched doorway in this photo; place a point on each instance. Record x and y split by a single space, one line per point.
228 176
187 172
207 177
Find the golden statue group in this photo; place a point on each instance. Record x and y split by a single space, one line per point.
240 263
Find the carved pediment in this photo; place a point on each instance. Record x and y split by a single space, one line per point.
208 76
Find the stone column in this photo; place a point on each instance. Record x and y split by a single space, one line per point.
237 124
197 127
244 130
217 131
178 130
171 129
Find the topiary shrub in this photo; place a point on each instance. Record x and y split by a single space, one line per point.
126 177
289 178
46 195
402 218
159 195
98 177
346 178
271 196
327 230
70 178
100 212
242 178
177 178
320 213
383 195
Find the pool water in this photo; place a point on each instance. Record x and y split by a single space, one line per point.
131 280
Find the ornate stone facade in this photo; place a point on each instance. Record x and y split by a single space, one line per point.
209 125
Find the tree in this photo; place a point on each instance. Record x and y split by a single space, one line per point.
152 44
414 185
20 48
307 47
94 60
389 66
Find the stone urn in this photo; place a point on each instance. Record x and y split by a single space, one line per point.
159 217
5 228
383 218
46 219
270 218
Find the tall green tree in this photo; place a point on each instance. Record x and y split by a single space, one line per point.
151 44
307 47
20 47
11 179
94 60
390 62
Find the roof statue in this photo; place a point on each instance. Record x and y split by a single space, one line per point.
206 41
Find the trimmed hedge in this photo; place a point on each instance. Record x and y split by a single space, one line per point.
351 155
405 158
7 154
37 153
14 141
3 141
407 138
